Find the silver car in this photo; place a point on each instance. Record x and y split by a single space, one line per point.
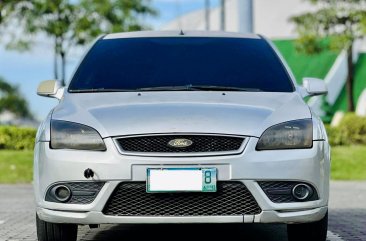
182 127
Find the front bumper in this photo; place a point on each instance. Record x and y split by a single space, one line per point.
307 165
93 217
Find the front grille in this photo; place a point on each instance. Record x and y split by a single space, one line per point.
231 199
281 191
82 192
200 144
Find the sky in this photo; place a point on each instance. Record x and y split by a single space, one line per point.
28 69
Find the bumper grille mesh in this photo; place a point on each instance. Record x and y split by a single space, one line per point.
281 191
82 192
92 187
201 143
131 199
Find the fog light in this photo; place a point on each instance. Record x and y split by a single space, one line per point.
302 192
61 193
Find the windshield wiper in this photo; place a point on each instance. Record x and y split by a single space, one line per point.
222 88
170 88
100 90
197 87
166 88
161 88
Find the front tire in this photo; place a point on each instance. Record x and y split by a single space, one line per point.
316 231
56 231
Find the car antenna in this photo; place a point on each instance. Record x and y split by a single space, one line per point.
181 32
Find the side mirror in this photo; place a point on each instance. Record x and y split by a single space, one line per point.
50 88
315 86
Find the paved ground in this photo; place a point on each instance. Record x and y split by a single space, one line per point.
347 220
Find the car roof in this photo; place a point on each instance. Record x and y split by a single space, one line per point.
180 33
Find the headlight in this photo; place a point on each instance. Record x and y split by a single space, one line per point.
69 135
296 134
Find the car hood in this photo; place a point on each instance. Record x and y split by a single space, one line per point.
130 113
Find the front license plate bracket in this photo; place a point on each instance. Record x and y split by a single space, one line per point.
161 180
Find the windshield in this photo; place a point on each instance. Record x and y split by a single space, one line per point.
181 64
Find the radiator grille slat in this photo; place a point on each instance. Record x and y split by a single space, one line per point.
131 199
200 144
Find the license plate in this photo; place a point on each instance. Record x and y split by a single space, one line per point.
181 180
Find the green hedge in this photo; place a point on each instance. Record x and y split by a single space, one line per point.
351 130
16 138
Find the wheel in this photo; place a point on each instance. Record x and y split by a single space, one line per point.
56 231
316 231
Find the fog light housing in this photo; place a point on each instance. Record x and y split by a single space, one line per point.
302 191
62 193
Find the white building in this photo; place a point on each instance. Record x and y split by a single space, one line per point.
269 17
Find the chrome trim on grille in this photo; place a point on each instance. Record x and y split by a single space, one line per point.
181 154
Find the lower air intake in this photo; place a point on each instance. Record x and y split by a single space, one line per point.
231 199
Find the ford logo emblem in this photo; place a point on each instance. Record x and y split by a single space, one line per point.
180 143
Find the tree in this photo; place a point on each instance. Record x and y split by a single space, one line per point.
6 7
71 23
335 24
11 100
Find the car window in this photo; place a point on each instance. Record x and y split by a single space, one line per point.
132 64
